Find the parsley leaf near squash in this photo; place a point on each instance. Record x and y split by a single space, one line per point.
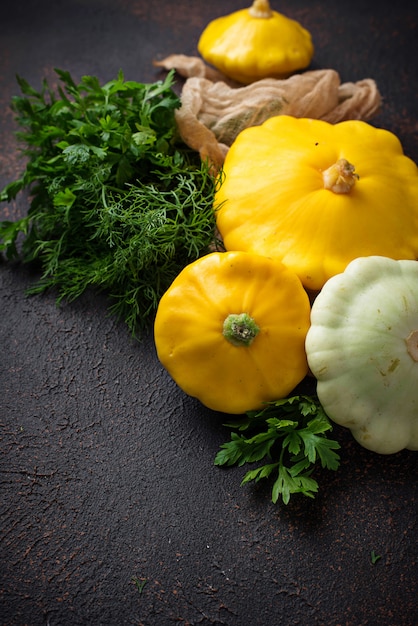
288 438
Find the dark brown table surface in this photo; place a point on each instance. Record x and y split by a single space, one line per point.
107 468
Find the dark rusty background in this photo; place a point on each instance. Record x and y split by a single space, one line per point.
107 472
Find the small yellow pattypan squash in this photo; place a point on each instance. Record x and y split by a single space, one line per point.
318 195
362 347
256 43
231 331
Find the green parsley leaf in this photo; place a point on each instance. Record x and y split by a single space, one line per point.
292 433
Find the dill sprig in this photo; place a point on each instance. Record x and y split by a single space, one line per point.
117 201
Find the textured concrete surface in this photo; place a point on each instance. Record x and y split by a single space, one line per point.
112 512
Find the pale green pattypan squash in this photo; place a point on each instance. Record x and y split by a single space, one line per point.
362 347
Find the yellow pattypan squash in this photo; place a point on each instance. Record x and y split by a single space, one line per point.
317 195
256 43
231 331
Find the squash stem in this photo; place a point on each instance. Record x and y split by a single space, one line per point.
412 344
240 329
340 177
260 8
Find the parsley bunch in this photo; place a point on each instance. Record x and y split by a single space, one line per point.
117 201
292 434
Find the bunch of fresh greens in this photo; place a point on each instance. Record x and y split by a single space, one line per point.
117 201
291 433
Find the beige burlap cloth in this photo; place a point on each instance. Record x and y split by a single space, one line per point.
214 110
